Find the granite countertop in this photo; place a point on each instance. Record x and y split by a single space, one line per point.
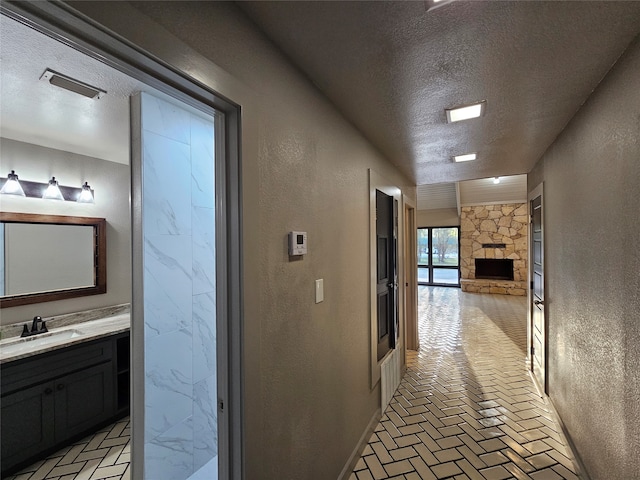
15 348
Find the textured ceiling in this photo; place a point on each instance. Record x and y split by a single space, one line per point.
34 111
392 68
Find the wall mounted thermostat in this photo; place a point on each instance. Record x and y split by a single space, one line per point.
297 243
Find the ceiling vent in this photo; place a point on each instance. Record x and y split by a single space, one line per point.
71 84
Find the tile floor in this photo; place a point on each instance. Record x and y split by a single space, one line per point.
103 455
467 407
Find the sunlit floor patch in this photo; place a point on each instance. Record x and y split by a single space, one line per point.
467 407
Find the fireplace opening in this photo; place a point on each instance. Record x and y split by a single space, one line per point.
494 268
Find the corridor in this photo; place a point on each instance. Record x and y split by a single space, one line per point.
467 407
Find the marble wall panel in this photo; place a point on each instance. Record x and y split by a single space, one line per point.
204 336
205 434
167 285
202 163
165 118
179 290
204 245
168 383
170 455
167 163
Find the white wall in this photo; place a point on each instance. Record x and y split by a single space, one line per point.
440 217
111 184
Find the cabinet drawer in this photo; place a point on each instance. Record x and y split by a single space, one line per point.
45 366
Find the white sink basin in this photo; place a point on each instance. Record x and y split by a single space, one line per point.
27 343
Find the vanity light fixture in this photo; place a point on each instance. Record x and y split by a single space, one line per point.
53 191
86 195
496 180
467 157
48 191
12 185
465 112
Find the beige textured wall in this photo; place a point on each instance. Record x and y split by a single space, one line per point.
592 263
439 217
304 167
111 184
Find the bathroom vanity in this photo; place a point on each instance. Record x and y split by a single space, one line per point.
59 386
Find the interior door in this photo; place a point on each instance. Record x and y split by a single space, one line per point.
538 325
386 273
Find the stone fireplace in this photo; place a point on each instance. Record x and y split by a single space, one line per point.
493 249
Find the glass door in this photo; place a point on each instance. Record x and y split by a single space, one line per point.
438 256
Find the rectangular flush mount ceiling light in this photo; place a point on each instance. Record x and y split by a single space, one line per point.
71 84
465 112
465 158
432 4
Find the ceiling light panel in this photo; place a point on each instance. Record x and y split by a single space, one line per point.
433 4
465 112
71 84
467 157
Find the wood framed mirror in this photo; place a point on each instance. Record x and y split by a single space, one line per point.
51 257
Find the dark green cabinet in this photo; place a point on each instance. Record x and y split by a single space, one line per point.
51 399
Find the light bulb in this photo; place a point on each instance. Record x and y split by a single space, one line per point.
53 191
496 180
12 185
85 195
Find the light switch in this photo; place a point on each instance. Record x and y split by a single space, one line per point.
319 290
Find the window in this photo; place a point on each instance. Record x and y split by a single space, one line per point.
438 256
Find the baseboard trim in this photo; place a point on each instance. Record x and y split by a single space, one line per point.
582 472
357 451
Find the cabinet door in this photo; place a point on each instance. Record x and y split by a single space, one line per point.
27 423
83 400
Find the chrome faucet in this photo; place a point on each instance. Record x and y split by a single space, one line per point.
34 327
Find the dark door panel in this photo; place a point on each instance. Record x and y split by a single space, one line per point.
538 327
386 276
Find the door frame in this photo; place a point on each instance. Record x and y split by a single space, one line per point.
63 23
543 383
412 339
378 182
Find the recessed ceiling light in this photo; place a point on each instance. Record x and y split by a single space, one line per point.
465 112
496 180
467 157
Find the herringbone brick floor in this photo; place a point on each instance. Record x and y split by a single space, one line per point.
467 408
103 455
